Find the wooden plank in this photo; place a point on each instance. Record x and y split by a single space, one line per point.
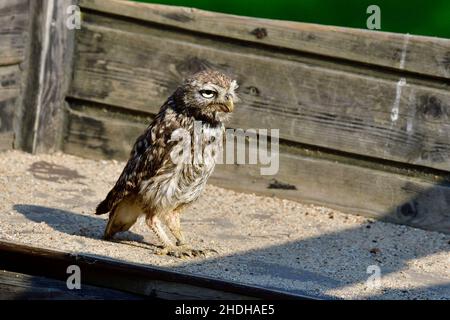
56 71
90 135
415 201
27 111
394 119
19 286
128 277
425 55
349 188
14 23
48 77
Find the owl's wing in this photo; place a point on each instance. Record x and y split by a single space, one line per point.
149 152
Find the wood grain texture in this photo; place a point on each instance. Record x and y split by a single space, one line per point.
25 114
9 97
349 188
397 198
392 119
9 93
14 23
47 77
90 135
418 54
54 84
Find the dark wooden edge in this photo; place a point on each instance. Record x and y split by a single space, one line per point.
114 274
19 286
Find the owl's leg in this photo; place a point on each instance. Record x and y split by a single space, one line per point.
180 250
168 248
155 224
173 222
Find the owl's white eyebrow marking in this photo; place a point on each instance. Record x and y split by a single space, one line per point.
210 86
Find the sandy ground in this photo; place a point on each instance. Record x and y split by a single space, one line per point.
48 201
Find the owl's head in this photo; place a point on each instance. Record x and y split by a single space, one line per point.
210 93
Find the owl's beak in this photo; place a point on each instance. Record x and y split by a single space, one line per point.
230 105
227 106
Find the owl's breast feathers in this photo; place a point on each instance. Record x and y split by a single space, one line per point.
150 172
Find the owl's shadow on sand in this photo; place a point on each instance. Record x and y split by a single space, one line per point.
75 224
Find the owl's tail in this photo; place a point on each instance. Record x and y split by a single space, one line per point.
103 207
112 199
115 195
109 203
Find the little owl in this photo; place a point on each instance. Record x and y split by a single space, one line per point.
153 183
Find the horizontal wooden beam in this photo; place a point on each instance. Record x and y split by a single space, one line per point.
394 119
91 135
418 54
397 198
19 286
127 277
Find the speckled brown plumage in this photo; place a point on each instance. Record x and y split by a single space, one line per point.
152 184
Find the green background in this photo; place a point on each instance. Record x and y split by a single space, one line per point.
431 18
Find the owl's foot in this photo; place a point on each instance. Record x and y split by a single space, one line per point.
185 252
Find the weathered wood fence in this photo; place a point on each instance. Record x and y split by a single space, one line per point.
364 116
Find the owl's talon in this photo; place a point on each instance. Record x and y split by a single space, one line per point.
185 252
161 251
212 251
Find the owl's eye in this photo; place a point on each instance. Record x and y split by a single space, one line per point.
208 94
